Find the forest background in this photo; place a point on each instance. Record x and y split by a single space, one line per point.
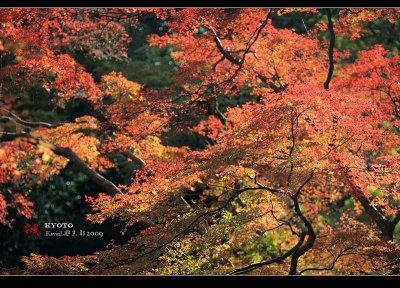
62 197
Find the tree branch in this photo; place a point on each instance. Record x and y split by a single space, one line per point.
385 226
310 231
126 153
299 249
332 265
226 54
66 152
30 124
331 46
253 266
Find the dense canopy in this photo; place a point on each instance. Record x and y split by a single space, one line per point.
211 140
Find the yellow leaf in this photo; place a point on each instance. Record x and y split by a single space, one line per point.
46 157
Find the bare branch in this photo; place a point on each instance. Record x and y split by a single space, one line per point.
30 124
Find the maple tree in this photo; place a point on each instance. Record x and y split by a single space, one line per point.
302 179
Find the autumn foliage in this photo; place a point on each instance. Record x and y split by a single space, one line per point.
302 179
